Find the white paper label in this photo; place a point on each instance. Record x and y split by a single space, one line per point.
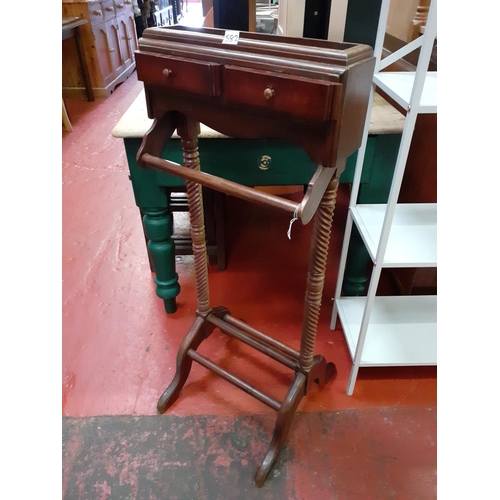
231 37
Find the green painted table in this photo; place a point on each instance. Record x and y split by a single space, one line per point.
264 162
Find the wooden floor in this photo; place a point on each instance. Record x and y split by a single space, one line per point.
119 350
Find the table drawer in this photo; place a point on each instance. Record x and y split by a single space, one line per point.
121 6
96 13
304 97
180 74
108 10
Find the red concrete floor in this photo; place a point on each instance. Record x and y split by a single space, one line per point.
119 346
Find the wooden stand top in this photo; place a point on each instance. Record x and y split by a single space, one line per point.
313 93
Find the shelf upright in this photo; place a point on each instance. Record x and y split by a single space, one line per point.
393 331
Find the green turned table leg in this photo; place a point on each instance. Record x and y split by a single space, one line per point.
356 269
153 201
378 168
158 225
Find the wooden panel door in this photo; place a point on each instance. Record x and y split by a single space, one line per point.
131 33
107 43
117 55
104 48
126 49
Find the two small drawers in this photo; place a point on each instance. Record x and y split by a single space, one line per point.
305 98
109 9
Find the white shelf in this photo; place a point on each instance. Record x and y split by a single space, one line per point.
399 85
393 331
402 330
413 237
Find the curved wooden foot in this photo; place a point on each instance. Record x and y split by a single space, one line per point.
321 372
192 340
331 371
220 312
285 416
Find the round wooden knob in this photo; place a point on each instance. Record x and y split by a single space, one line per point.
167 72
268 93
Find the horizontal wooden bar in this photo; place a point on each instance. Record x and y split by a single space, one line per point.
266 349
210 365
219 184
289 351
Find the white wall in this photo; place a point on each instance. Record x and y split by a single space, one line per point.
291 18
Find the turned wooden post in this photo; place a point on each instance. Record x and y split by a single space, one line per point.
189 131
316 274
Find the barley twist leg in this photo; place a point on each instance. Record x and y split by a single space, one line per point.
316 275
189 141
312 368
188 131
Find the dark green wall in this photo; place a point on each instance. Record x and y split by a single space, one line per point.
361 21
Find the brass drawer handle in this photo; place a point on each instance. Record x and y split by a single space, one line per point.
119 6
128 2
109 9
167 72
268 93
96 13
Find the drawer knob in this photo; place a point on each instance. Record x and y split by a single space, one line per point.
108 9
96 12
268 93
167 72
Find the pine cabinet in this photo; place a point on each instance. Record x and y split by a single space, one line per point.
109 40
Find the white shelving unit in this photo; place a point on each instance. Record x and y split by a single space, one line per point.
402 330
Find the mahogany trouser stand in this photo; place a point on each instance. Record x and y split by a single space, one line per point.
180 104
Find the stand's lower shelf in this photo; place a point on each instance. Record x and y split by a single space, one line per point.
402 330
413 237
